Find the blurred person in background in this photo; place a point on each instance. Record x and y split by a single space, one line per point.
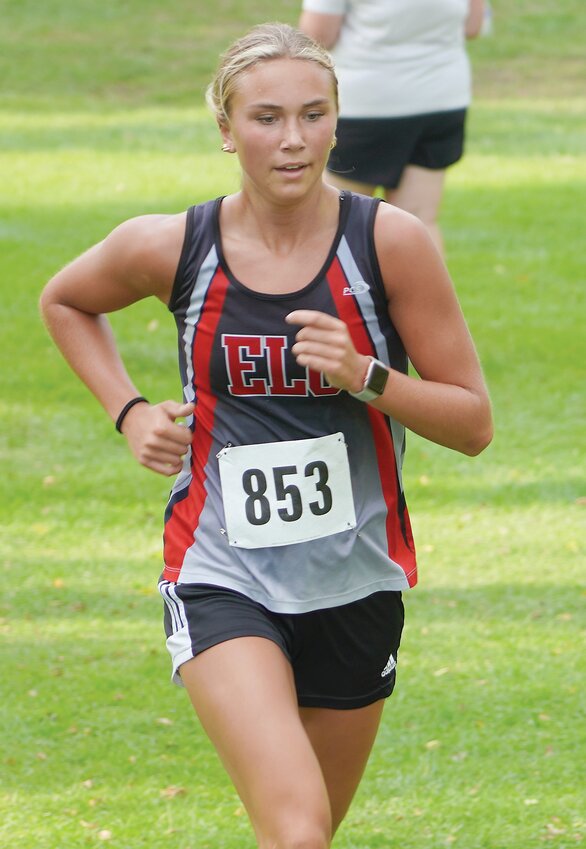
405 87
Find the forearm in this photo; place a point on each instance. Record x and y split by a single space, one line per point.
453 416
475 18
453 409
87 343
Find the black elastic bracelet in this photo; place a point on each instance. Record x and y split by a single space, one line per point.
138 400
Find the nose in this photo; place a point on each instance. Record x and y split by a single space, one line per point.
292 137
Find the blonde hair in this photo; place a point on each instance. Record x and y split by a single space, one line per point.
262 43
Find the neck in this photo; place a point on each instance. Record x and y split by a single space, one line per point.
283 226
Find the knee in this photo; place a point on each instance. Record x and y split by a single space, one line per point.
316 840
299 836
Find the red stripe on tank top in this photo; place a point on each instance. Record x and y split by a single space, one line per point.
400 550
181 527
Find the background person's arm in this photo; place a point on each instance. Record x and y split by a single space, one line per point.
323 28
475 19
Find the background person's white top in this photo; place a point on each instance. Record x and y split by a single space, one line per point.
399 57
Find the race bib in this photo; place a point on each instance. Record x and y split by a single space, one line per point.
278 493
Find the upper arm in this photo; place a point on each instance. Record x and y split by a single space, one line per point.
323 28
137 259
475 18
422 302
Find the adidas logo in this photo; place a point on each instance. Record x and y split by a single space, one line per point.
391 664
358 288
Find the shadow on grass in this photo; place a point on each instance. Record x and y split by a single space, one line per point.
514 496
108 607
123 133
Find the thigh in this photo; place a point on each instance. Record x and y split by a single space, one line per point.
344 661
244 694
342 741
351 185
419 192
199 616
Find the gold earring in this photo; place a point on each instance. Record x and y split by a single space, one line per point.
334 142
226 148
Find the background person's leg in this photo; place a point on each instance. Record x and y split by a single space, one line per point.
351 185
420 192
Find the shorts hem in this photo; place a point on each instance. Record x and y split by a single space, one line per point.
178 661
189 654
376 151
347 702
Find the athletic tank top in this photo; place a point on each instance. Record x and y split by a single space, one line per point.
291 491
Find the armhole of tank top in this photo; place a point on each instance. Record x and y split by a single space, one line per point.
180 273
377 274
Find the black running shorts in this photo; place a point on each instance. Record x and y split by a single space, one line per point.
376 151
342 657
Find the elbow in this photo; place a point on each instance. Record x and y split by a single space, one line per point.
44 305
480 438
481 431
478 442
50 307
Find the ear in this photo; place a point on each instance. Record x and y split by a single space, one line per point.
227 142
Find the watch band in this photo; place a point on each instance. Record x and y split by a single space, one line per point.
375 381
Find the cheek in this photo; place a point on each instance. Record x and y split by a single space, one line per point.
253 141
325 138
253 151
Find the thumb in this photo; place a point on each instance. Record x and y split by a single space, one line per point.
185 409
176 411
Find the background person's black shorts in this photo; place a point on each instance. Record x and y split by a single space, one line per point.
342 657
377 150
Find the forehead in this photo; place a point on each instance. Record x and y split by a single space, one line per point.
282 81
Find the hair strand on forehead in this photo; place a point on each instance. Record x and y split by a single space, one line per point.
260 44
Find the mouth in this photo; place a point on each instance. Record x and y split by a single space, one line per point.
292 167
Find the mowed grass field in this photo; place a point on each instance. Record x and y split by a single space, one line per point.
483 743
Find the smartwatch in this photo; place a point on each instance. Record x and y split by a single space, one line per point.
375 381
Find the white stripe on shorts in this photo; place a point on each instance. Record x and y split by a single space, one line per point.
179 643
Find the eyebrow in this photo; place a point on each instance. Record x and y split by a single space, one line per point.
320 101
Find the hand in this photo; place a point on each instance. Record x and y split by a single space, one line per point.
154 436
324 344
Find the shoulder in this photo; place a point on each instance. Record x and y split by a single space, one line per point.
145 251
405 251
397 232
147 238
394 227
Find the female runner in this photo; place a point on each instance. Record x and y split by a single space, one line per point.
287 537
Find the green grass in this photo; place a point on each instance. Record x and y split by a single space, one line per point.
483 743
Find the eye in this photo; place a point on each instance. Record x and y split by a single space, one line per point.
266 119
314 115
